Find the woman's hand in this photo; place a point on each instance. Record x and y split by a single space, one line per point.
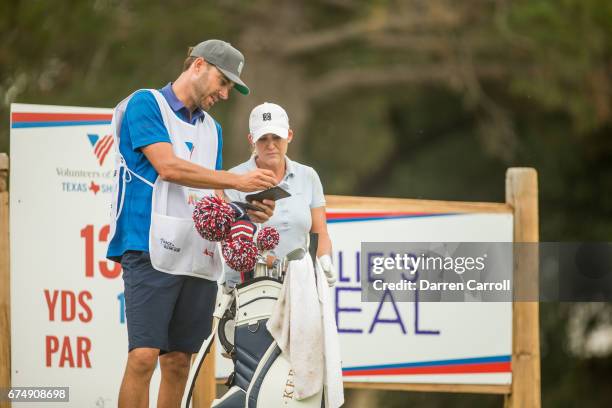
328 269
270 261
267 209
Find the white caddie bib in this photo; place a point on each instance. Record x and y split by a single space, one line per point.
174 245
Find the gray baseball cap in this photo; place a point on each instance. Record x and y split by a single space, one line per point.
228 59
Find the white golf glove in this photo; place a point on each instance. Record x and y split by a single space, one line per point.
328 268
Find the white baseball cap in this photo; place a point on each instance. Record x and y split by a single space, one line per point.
268 118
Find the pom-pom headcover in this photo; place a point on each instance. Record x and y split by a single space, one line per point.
268 239
239 251
240 254
216 220
213 218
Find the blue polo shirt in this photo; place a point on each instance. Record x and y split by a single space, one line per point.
143 125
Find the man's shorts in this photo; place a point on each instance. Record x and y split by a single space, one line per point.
164 311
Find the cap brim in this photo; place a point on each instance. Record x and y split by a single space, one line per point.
238 84
275 130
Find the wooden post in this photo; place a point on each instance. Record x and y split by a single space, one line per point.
5 283
522 195
206 386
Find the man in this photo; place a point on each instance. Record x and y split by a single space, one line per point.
169 156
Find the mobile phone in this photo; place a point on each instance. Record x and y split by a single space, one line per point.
274 193
247 206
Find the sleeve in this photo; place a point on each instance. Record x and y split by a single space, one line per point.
144 120
318 199
219 164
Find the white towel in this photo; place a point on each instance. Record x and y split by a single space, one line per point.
334 387
303 325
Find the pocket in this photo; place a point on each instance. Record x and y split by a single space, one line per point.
206 258
171 243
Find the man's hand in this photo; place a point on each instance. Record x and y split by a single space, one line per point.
267 209
258 179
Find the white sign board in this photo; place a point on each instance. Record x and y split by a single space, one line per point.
419 342
68 326
415 342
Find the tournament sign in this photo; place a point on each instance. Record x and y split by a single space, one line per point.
414 342
418 342
68 323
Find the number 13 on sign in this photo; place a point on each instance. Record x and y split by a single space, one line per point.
108 269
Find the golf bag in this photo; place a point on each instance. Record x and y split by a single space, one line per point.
262 376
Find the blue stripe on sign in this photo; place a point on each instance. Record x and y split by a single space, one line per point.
389 217
476 360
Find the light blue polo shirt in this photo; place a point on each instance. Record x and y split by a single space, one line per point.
292 217
143 125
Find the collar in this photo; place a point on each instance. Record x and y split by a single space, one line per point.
176 104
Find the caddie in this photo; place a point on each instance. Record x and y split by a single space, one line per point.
168 157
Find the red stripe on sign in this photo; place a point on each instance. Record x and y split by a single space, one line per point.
59 117
105 152
449 369
331 215
99 146
108 139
